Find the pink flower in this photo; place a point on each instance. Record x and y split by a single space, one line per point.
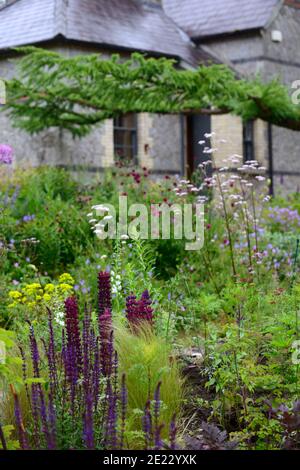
6 153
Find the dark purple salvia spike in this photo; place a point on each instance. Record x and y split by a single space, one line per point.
111 423
52 422
147 426
124 401
19 421
38 400
105 327
157 406
73 330
104 292
44 418
35 357
173 433
158 443
63 349
35 414
34 387
88 425
96 373
24 373
115 377
86 337
51 354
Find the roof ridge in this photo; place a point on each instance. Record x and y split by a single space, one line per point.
274 13
61 18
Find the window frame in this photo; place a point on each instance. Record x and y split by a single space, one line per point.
248 140
132 130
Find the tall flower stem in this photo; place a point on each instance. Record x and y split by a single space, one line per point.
227 223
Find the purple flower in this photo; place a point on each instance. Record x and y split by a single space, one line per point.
19 421
104 294
139 310
6 154
28 218
73 337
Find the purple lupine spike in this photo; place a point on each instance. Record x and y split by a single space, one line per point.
105 327
124 401
73 330
19 421
146 297
131 308
138 311
104 292
147 425
173 433
146 311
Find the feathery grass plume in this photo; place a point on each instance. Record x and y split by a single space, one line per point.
146 361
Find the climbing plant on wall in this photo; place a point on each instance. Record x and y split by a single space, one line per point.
76 93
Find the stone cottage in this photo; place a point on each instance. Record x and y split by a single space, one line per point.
104 26
257 36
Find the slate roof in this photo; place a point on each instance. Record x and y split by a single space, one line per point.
118 23
201 18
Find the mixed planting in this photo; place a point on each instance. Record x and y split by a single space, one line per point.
140 344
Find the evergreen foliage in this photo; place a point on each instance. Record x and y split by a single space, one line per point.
75 93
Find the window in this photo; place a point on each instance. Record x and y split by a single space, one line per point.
125 137
248 141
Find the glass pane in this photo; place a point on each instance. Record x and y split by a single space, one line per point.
127 121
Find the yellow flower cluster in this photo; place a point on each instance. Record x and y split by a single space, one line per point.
35 294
